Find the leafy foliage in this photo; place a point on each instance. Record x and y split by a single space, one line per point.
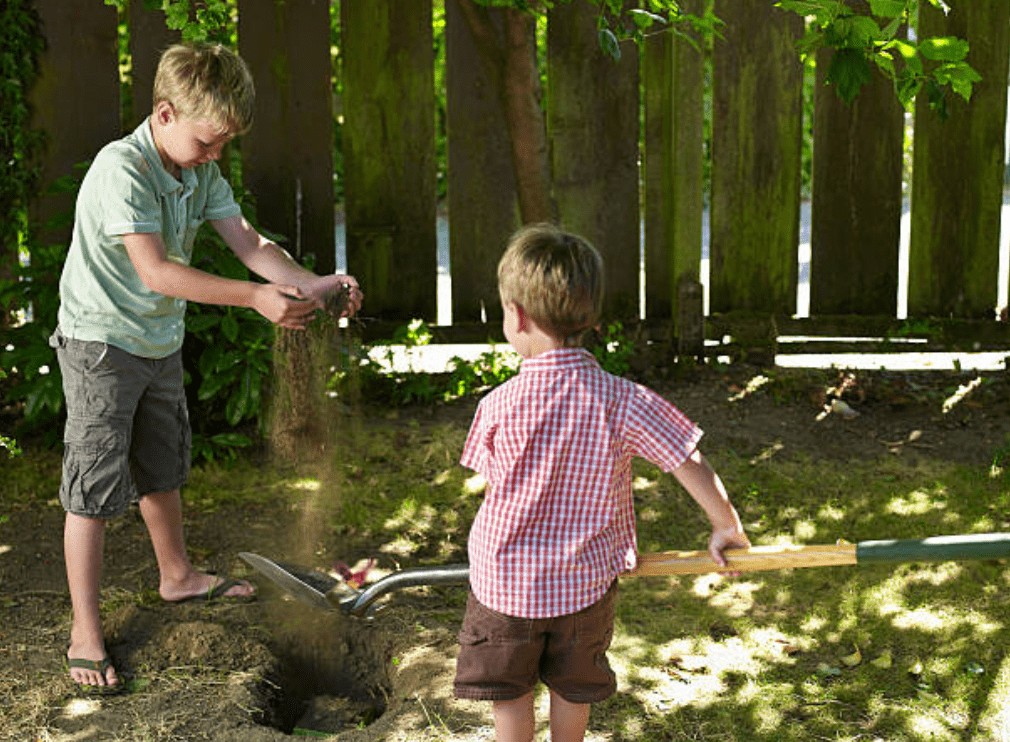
19 142
199 20
935 63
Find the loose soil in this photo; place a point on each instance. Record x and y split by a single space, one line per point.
257 672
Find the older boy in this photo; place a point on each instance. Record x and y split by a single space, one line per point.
123 294
557 524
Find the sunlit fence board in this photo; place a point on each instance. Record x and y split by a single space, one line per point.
482 186
593 126
958 172
756 143
856 197
389 154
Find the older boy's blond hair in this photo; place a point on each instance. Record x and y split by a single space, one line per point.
556 277
207 82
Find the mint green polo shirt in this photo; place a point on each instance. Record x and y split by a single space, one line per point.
127 190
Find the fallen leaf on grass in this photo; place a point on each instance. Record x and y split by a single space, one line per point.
884 661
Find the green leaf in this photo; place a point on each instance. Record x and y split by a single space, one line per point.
644 19
229 327
864 30
887 8
609 44
231 440
944 49
848 71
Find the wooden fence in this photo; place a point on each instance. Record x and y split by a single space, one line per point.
601 174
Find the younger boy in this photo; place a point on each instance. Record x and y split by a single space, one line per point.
557 525
123 295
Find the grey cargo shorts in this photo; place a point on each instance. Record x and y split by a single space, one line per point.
127 432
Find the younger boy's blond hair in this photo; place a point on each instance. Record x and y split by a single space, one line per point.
207 82
556 277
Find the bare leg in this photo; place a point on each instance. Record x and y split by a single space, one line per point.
568 720
83 542
162 513
513 720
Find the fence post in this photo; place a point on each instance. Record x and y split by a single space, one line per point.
592 115
76 95
149 37
856 201
483 206
957 172
389 155
673 80
756 147
287 156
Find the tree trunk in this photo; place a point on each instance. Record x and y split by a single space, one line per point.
510 60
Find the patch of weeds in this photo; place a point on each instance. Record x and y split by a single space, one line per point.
613 350
384 371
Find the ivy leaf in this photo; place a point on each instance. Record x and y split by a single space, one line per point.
848 71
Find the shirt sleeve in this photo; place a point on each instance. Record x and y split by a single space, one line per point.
221 202
126 191
478 451
659 432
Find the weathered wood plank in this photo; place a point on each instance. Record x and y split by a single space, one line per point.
149 37
75 99
958 172
287 156
389 154
483 206
756 144
673 81
593 125
856 199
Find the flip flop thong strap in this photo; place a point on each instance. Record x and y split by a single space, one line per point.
99 666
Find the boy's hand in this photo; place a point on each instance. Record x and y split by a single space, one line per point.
285 306
726 538
339 295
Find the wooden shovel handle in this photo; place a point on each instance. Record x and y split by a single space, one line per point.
753 559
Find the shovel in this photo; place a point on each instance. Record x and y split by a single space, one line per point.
330 593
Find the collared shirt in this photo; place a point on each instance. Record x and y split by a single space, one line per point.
555 444
127 190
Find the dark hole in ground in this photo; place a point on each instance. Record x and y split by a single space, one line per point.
331 673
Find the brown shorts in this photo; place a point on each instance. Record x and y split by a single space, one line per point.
127 431
502 657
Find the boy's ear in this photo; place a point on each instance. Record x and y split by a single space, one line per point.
522 319
164 112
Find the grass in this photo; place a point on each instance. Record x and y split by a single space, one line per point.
912 652
904 654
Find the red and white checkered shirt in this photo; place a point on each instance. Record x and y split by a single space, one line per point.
555 444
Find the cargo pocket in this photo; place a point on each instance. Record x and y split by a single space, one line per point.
96 478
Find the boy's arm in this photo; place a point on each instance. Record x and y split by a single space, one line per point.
268 260
705 486
148 255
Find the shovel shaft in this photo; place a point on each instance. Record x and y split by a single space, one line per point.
753 559
758 558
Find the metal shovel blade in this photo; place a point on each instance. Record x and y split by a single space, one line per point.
309 588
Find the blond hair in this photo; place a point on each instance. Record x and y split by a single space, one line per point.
556 277
206 82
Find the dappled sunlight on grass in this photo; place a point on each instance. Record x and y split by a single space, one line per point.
892 652
917 502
